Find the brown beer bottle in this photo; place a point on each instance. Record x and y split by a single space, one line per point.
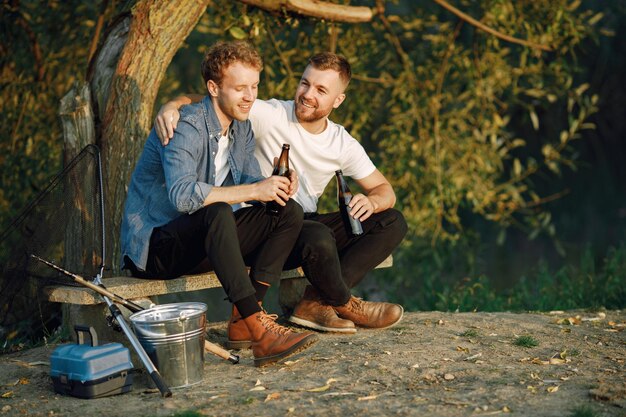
282 168
352 225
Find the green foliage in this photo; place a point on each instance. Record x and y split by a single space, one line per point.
427 281
44 50
582 411
470 333
526 341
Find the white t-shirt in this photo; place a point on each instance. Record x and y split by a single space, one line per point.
221 160
314 157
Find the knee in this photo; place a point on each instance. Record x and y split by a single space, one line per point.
317 240
217 211
293 213
393 221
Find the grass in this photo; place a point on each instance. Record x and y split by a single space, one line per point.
470 333
526 341
582 411
188 413
448 280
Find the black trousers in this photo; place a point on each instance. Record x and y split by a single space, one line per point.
334 261
216 238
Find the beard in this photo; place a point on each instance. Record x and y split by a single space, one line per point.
310 114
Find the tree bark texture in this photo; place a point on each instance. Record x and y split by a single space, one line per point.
83 235
317 9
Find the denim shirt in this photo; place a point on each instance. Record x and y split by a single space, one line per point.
174 180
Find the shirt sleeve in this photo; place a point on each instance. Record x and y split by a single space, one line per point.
354 161
180 159
261 117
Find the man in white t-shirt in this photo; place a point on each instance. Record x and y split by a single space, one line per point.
333 260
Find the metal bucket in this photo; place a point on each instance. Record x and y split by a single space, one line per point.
173 337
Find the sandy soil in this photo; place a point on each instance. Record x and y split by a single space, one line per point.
444 364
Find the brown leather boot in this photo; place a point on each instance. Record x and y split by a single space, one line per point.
313 313
272 342
238 334
373 315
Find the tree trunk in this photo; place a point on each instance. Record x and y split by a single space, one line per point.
82 233
125 98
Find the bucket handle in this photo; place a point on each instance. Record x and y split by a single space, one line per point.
80 334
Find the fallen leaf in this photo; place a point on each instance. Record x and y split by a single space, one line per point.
462 349
506 409
469 358
552 389
258 382
448 377
386 352
330 381
272 396
24 381
258 388
320 389
557 361
337 394
291 409
320 358
8 394
367 398
289 363
417 365
441 322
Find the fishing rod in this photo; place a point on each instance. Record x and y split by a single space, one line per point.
106 295
101 289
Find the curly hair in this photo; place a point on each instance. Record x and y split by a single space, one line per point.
223 54
328 60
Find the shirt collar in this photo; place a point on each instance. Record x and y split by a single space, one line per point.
210 116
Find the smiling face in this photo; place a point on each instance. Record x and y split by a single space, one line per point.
236 93
319 92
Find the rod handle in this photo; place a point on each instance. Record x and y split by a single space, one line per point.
160 383
222 353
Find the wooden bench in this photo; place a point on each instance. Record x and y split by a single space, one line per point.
83 306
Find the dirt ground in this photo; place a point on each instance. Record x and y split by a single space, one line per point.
441 364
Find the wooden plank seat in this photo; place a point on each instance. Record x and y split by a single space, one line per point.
82 305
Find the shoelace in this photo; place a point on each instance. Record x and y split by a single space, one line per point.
269 322
356 305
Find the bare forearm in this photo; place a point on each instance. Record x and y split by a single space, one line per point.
183 100
382 197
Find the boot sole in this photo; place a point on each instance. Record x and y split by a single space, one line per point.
315 326
303 344
237 345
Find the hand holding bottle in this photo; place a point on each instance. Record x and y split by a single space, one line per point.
361 207
281 169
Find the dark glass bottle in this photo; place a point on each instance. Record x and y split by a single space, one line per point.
282 168
352 225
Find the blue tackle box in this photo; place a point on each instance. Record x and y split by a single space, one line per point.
88 370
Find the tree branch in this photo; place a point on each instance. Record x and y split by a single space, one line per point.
489 30
316 9
99 25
